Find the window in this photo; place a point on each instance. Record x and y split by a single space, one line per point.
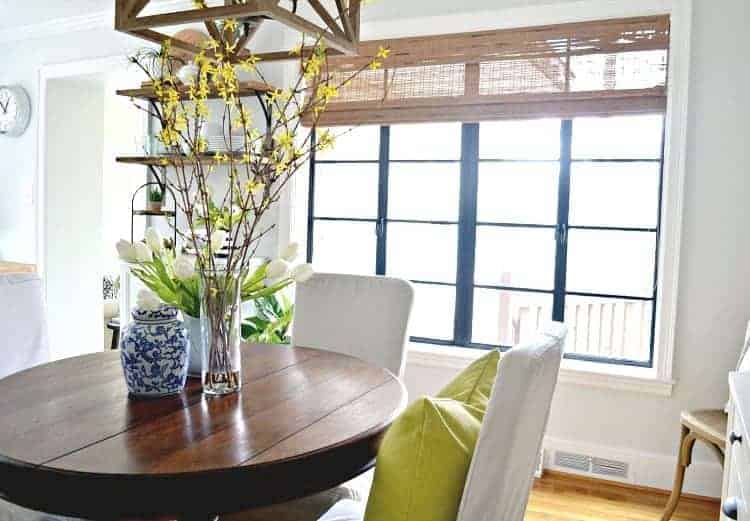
502 226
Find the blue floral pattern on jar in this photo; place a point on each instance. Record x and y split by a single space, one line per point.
154 353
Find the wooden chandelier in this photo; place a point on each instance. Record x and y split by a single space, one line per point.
341 33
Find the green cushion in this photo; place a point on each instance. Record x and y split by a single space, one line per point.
473 385
423 461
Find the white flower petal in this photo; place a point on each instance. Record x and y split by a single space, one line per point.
143 252
291 252
277 269
302 273
147 300
184 267
154 240
218 238
126 251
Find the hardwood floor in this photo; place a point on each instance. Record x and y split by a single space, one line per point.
561 497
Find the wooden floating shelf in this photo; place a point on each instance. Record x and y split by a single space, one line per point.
247 88
157 160
165 213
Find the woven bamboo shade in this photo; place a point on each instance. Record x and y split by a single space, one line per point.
589 68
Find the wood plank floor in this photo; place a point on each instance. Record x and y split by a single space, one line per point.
561 497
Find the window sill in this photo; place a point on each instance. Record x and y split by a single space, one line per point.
572 372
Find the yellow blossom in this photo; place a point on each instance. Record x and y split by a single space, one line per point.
383 53
286 140
231 25
248 64
325 140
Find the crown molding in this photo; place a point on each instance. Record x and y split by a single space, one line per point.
84 22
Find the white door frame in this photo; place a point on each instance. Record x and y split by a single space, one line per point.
47 73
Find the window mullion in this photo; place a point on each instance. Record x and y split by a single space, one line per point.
563 213
382 224
467 230
311 198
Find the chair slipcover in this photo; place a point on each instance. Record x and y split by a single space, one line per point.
23 323
366 317
502 469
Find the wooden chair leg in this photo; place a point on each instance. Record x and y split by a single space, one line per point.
687 442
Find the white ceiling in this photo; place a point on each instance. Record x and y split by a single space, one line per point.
14 13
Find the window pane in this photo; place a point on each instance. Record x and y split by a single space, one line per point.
609 328
426 141
346 190
423 191
518 192
526 139
518 257
344 247
611 262
617 137
353 144
508 317
422 251
627 70
434 312
614 194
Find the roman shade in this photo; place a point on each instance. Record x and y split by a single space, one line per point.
577 69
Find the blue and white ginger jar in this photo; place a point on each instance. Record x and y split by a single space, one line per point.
154 353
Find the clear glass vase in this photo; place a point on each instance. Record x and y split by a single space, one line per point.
220 324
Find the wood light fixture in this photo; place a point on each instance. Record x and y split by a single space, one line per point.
341 31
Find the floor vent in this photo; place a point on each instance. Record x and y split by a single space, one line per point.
608 467
570 460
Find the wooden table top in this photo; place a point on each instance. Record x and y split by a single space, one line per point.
73 443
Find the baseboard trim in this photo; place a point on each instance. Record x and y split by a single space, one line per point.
647 470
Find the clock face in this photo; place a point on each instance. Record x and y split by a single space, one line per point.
14 111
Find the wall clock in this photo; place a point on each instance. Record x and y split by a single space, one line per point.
15 111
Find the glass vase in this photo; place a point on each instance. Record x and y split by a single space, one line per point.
220 324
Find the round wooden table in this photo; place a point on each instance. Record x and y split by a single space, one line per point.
73 443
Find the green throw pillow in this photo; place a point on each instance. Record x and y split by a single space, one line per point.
473 385
423 461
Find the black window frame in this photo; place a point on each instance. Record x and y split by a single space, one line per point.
467 232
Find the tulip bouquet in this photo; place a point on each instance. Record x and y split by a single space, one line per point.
173 278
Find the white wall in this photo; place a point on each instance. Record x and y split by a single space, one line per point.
21 65
714 297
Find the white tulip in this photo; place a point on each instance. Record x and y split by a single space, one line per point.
147 300
218 238
154 240
302 273
184 267
290 252
143 252
126 251
277 268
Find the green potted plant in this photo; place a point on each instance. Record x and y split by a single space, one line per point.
155 199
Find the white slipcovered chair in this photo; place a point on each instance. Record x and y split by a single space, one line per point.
366 317
502 469
23 323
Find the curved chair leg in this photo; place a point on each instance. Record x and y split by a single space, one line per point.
687 442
